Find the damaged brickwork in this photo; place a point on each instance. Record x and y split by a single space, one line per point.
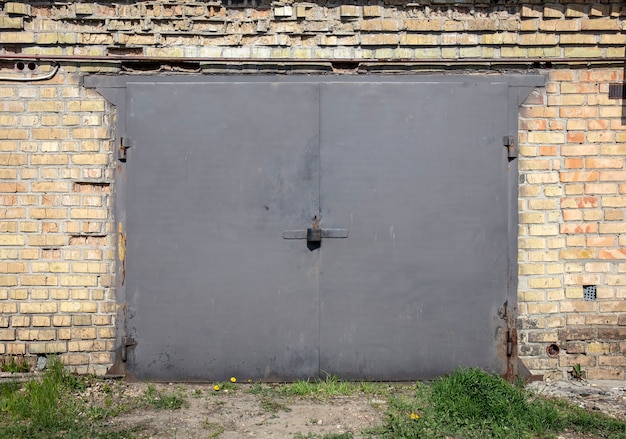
59 241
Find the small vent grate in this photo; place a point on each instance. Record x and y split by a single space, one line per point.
589 292
617 91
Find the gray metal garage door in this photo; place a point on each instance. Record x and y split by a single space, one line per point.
290 229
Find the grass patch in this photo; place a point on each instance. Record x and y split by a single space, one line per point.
324 436
213 429
52 407
273 406
331 386
46 408
158 399
471 403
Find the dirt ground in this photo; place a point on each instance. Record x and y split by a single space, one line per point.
238 414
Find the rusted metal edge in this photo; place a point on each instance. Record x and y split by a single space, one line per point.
413 61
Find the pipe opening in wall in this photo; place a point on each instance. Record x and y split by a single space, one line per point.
21 66
542 65
553 350
344 66
589 292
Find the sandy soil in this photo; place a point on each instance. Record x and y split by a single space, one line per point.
238 414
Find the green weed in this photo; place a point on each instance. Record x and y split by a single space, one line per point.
325 436
46 409
51 407
214 430
273 406
14 365
331 386
163 400
471 403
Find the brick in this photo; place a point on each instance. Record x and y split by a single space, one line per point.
12 159
546 137
7 334
348 11
38 308
16 240
601 320
543 337
544 230
78 307
578 228
600 188
537 39
36 334
612 228
577 254
578 176
380 40
14 8
579 202
615 149
532 218
528 11
577 334
611 334
600 241
83 333
612 175
108 332
600 24
542 177
11 23
582 359
613 215
82 320
17 37
83 9
47 348
93 213
76 359
47 240
583 52
79 280
50 133
613 201
41 321
418 40
605 374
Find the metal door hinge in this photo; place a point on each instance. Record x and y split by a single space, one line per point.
509 143
126 343
125 143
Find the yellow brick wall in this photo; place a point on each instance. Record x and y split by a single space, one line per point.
57 291
572 224
57 246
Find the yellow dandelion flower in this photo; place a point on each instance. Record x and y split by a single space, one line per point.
415 416
216 387
233 379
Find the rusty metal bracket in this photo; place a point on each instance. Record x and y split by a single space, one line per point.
126 343
509 143
125 143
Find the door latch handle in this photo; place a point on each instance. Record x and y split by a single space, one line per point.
314 234
323 233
